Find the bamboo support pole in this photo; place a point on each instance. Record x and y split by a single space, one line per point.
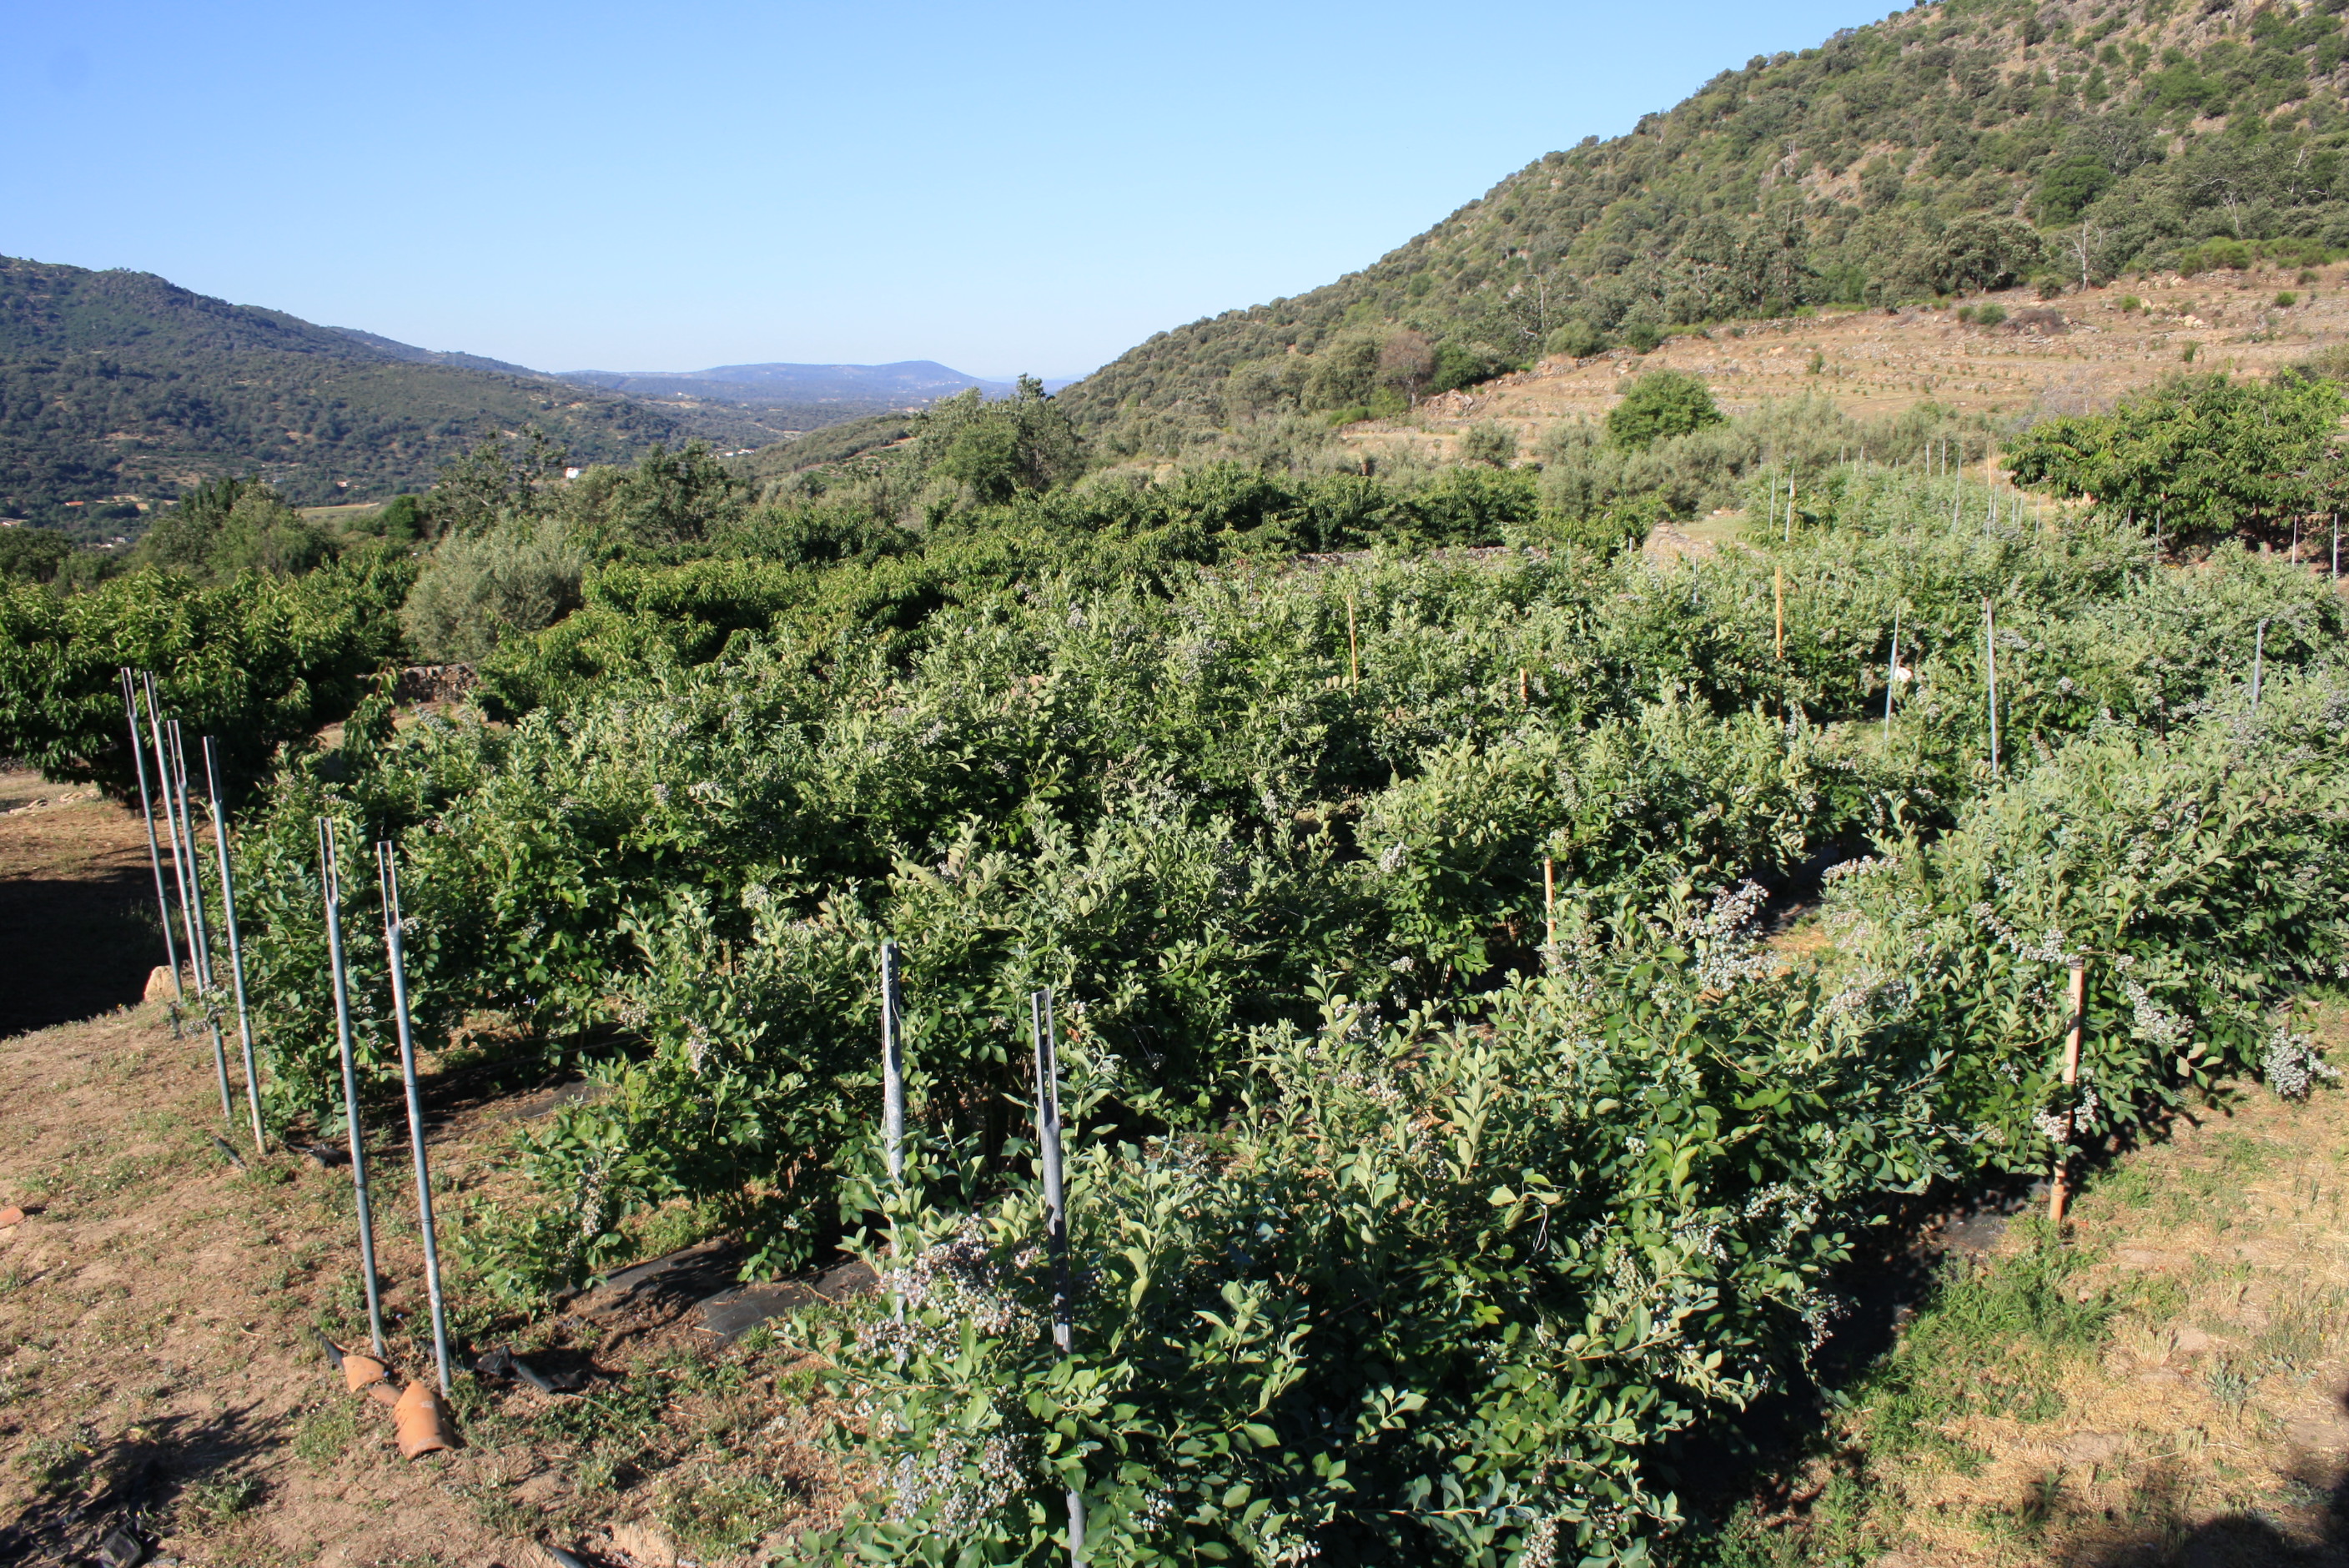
2059 1189
395 959
1778 594
331 876
235 946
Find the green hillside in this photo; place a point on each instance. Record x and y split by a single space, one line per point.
120 383
1950 149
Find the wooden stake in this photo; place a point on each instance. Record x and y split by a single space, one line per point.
1778 591
2059 1189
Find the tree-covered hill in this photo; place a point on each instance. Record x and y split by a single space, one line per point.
120 383
1954 148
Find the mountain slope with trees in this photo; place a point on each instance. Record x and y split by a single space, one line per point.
122 384
1948 150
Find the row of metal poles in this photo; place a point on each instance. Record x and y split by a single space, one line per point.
150 730
153 730
330 876
1044 1037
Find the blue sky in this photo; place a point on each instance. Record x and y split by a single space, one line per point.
1001 187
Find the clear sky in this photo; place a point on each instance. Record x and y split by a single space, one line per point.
1003 186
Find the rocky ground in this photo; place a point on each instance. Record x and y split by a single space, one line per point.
2072 354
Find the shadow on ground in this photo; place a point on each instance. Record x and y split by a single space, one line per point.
2158 1534
93 1494
75 948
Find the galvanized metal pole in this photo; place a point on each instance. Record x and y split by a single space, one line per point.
331 875
387 871
236 948
893 1066
203 935
1891 671
2259 660
1056 1218
2059 1190
171 825
1990 649
146 815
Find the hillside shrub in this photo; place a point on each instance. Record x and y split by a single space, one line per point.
259 660
1432 1294
479 591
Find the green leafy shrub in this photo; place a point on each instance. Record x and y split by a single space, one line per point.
479 591
1431 1296
258 661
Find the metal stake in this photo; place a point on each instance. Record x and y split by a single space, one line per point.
1549 906
1990 646
171 828
146 815
1056 1218
387 871
1891 671
1353 647
203 937
893 1066
2258 659
2059 1189
236 948
332 878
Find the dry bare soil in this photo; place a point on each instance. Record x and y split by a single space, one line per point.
2072 354
160 1371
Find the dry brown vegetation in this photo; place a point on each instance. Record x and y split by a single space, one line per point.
2075 353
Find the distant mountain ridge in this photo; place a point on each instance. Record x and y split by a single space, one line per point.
415 355
874 388
120 383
